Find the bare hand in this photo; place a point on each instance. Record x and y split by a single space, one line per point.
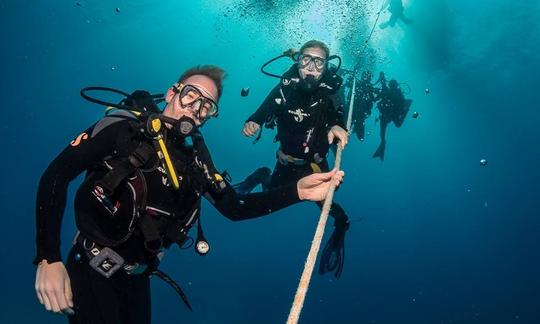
53 288
250 128
315 187
341 135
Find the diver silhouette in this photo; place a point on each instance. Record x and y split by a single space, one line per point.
364 98
396 9
393 107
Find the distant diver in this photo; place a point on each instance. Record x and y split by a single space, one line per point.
396 9
363 101
393 107
306 110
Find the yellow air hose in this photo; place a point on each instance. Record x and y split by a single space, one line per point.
163 153
169 166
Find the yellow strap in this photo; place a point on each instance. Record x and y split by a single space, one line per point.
168 162
315 167
109 108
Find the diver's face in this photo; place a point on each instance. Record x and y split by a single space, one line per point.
175 107
310 62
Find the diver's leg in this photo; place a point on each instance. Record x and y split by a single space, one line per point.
333 254
283 174
335 211
96 299
138 299
379 153
85 303
259 176
383 124
398 121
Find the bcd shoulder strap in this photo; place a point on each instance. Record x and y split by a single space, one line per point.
112 118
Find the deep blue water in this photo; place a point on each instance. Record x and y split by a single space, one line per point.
435 238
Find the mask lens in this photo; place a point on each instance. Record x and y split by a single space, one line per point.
319 63
189 95
305 60
211 108
196 105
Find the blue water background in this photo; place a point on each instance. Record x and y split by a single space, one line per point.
435 237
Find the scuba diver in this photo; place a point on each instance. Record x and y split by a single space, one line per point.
396 9
146 171
364 98
305 108
393 107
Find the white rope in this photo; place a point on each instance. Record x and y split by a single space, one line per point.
303 286
357 65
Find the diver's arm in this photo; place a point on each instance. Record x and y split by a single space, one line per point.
267 107
240 207
52 191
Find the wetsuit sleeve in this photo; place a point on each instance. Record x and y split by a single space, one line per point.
267 107
238 207
78 156
335 112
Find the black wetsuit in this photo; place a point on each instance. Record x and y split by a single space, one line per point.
303 121
125 298
393 107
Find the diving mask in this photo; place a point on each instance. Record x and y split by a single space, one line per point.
191 97
309 61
